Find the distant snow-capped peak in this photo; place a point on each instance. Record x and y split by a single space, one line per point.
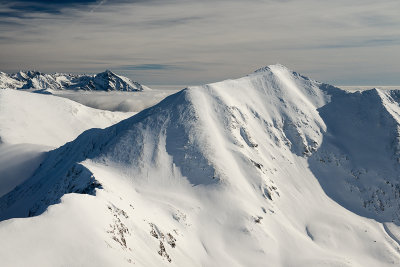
104 81
110 81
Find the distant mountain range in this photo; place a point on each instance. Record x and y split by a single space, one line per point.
104 81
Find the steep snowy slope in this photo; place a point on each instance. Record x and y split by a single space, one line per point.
235 173
104 81
362 149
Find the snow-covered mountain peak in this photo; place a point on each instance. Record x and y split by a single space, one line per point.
107 74
109 81
270 68
207 133
278 69
29 74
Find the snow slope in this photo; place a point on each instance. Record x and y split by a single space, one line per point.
249 172
48 120
32 124
104 81
362 147
17 163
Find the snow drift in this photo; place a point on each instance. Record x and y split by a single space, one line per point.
271 169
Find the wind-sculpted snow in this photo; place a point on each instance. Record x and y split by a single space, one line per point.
104 81
271 169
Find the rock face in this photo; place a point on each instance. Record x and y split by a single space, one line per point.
270 168
104 81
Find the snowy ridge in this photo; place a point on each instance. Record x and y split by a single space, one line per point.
269 168
104 81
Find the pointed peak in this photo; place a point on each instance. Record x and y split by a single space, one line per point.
108 72
276 69
269 68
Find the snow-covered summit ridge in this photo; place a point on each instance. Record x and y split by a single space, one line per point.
249 166
277 68
270 67
104 81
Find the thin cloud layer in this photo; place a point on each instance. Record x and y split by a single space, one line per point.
191 42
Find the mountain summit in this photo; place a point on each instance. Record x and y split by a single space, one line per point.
104 81
270 169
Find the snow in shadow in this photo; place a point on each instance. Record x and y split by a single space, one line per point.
357 163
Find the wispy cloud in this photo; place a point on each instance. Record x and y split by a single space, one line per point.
210 40
100 3
148 67
27 8
360 43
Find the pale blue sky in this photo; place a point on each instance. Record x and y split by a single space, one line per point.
353 42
